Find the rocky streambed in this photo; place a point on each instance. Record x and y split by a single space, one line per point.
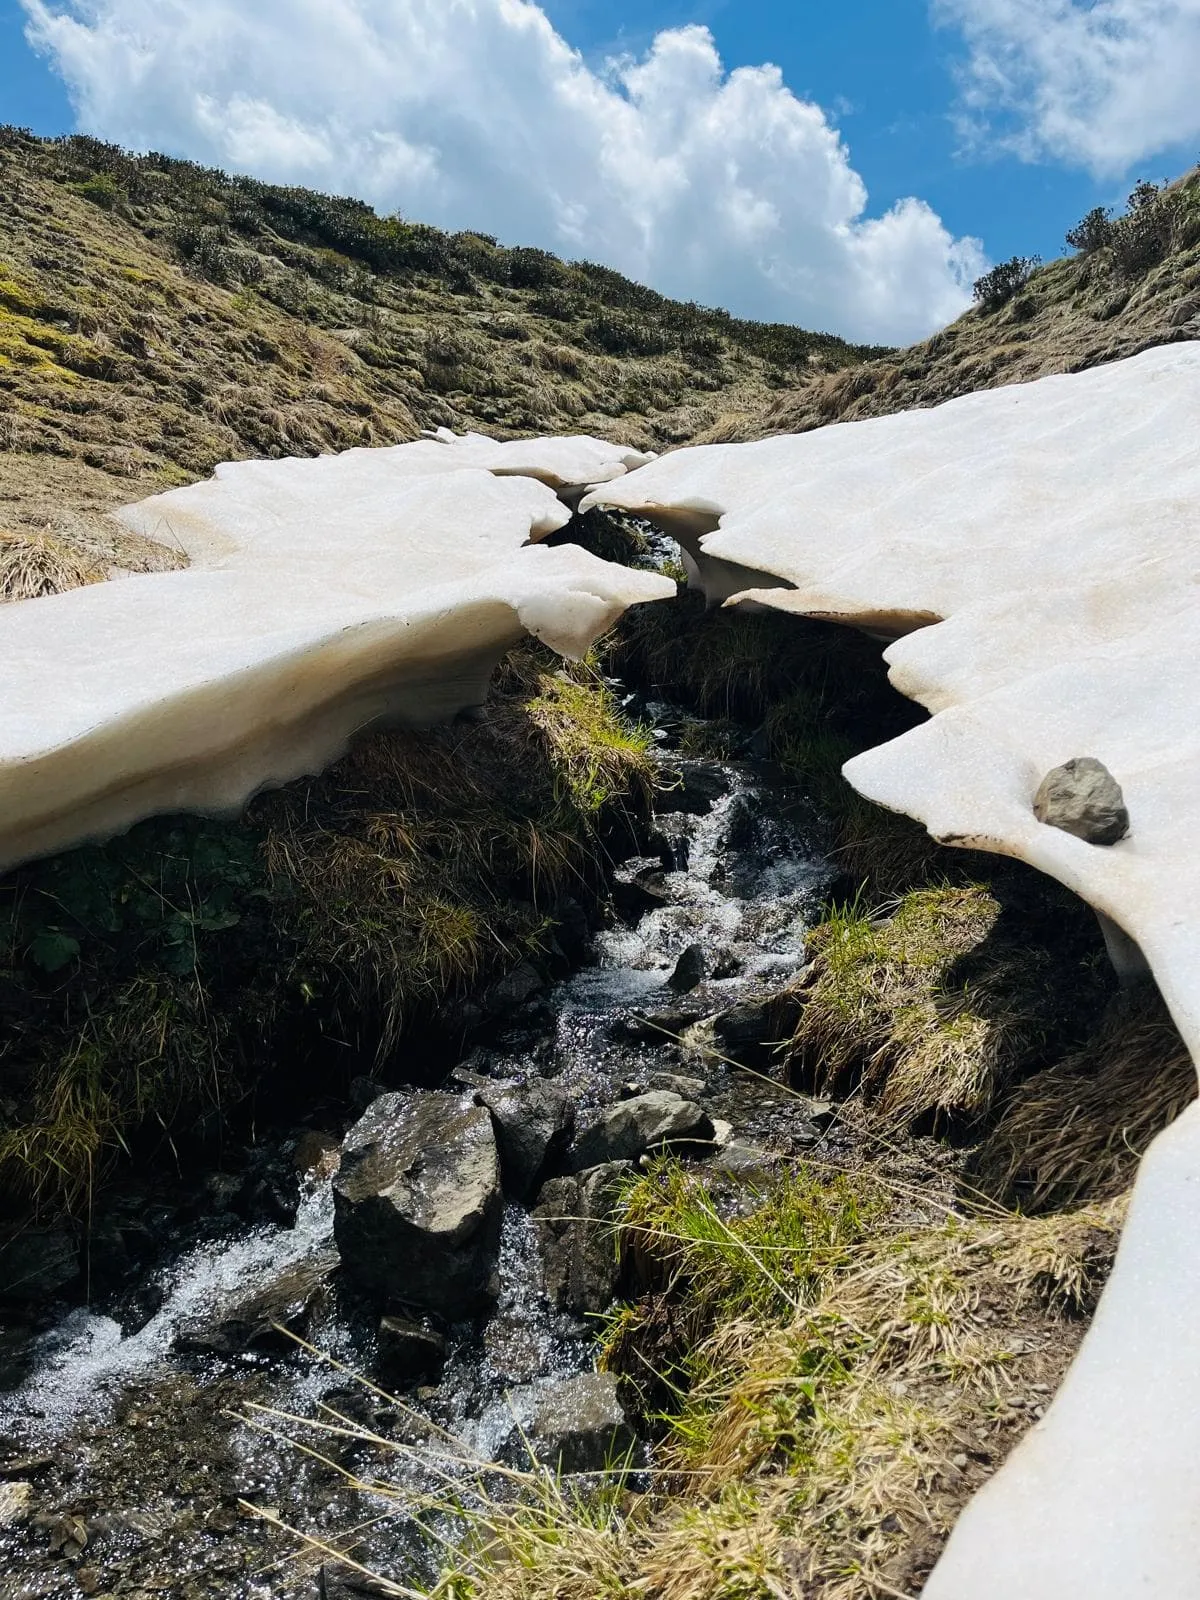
450 1246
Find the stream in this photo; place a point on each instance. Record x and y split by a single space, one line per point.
129 1453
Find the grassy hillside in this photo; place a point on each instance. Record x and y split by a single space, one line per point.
157 317
1129 283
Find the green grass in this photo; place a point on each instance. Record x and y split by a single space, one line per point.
841 1342
934 1007
165 974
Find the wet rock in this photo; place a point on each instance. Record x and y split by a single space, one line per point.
671 841
749 1031
535 1123
726 964
37 1264
639 886
677 1083
16 1504
254 1316
665 1022
689 970
628 1130
745 1161
579 1425
409 1352
417 1203
581 1269
363 1091
741 827
692 787
513 989
336 1582
316 1154
1083 798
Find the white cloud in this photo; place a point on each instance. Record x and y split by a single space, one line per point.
721 187
1100 83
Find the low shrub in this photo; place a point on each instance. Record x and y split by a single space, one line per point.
1092 232
997 287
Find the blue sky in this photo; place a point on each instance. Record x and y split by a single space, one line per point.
761 211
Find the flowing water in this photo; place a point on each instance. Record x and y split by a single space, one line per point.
130 1449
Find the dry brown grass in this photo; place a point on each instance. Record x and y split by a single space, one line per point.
37 564
62 549
1077 1131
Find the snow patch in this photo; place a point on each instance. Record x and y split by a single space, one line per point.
1034 554
324 597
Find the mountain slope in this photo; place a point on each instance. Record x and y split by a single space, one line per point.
156 318
1135 284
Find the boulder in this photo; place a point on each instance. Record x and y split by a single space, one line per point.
639 886
417 1203
627 1130
1082 797
534 1123
689 970
581 1268
666 1021
253 1315
513 989
579 1425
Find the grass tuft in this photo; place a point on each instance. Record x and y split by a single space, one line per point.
1077 1131
935 1007
37 564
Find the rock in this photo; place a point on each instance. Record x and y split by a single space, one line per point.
741 824
678 1083
251 1316
749 1031
316 1154
16 1504
745 1161
38 1263
338 1582
726 964
408 1351
513 989
417 1203
534 1124
581 1269
689 970
692 787
363 1091
1182 311
579 1425
1082 797
665 1022
648 1122
747 1023
640 885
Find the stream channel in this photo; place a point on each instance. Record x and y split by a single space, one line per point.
127 1465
